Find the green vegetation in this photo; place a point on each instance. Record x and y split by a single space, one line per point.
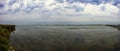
5 31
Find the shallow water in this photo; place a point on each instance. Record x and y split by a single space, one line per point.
64 38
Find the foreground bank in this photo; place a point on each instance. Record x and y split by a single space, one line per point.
5 31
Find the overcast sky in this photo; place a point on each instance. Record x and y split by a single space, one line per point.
60 11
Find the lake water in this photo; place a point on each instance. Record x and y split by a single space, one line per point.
64 38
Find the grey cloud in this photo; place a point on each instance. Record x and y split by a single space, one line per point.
12 2
1 5
60 1
97 2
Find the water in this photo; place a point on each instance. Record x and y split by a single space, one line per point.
64 38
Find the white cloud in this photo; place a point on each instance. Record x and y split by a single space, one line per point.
50 5
111 9
50 10
15 6
48 2
96 10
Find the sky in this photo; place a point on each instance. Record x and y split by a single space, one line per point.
59 11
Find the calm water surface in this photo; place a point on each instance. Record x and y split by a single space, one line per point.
63 38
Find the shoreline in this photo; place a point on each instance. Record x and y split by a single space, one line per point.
115 26
5 31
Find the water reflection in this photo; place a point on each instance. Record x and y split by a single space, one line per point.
65 38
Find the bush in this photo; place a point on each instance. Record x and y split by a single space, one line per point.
5 31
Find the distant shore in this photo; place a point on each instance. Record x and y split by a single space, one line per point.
115 26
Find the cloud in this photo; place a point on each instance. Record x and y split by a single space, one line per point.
1 5
50 5
115 2
60 10
101 10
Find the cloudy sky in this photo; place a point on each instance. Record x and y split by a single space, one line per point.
60 11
